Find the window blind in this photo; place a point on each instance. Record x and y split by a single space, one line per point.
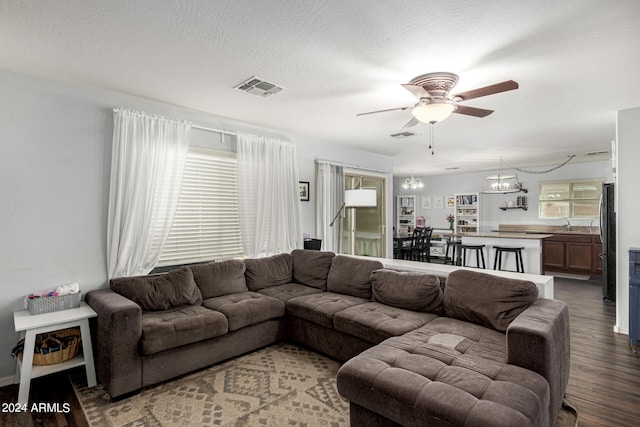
206 225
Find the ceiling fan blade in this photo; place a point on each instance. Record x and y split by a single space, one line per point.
417 91
384 111
488 90
411 123
472 111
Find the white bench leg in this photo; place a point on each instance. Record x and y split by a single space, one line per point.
27 363
88 353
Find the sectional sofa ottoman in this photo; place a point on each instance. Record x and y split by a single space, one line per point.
485 348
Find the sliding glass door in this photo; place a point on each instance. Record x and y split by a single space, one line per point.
364 227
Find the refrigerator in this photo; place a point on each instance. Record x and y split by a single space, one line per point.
608 239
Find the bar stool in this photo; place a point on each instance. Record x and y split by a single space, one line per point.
454 245
479 255
498 258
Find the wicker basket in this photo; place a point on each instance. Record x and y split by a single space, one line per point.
50 304
72 337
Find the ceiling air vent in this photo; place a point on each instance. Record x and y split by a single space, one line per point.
402 135
258 86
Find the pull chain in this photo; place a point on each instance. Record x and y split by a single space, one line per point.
431 138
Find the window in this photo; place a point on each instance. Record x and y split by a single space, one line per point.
570 199
206 225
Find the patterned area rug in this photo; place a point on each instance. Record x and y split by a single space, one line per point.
276 386
282 385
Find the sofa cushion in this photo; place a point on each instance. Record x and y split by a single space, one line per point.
486 299
159 292
321 307
162 330
311 268
270 271
290 290
219 278
351 276
411 291
459 337
376 322
411 387
246 308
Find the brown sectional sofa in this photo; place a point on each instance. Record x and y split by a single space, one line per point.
485 349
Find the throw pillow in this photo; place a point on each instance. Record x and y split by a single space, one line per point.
159 292
270 271
350 276
407 290
220 278
485 299
311 268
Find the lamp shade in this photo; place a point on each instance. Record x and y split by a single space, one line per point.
435 112
361 198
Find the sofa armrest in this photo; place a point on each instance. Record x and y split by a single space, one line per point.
118 334
538 340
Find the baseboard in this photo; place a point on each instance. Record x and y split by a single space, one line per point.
7 381
618 330
568 275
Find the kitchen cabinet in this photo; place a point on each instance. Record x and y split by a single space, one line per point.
572 253
554 254
579 256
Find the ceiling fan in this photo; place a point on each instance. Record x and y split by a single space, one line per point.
436 104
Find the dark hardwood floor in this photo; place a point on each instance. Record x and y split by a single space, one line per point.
604 384
55 388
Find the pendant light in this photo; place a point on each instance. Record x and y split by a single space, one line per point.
501 184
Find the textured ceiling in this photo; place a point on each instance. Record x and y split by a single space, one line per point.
577 62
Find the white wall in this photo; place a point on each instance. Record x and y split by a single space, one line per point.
54 183
490 214
627 207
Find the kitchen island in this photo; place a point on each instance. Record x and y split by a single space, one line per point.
531 254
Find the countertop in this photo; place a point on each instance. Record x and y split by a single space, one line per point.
506 235
550 233
580 230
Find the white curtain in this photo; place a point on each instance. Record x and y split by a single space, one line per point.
147 164
268 196
329 199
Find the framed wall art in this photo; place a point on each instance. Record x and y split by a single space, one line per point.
303 186
451 202
438 202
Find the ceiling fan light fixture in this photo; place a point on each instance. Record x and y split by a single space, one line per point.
433 112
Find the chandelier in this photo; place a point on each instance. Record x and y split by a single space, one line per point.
412 183
502 184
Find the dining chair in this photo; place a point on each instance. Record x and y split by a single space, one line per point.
420 247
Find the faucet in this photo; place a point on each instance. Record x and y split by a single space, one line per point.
568 226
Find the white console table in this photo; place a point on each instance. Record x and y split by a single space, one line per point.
30 325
